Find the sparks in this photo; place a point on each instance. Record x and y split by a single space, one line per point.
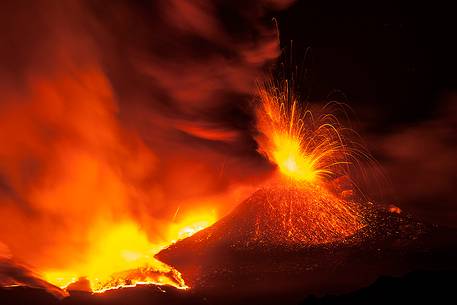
313 154
303 147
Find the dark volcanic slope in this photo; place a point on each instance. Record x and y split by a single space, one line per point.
140 295
237 256
419 287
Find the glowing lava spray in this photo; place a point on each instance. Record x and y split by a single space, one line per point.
314 199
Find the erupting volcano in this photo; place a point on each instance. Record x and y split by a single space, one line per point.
309 202
311 199
176 152
314 196
310 223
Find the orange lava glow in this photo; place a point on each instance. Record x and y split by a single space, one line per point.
122 248
394 209
191 224
121 255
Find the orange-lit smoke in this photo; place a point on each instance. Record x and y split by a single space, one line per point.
80 221
110 149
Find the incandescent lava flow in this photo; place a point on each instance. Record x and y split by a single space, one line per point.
124 257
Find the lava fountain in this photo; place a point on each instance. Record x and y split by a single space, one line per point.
315 196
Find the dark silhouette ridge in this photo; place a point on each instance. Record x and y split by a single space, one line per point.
418 287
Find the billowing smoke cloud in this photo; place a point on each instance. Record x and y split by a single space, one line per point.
113 111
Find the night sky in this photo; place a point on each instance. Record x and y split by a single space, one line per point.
394 64
392 59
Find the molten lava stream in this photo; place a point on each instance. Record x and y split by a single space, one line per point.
122 256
